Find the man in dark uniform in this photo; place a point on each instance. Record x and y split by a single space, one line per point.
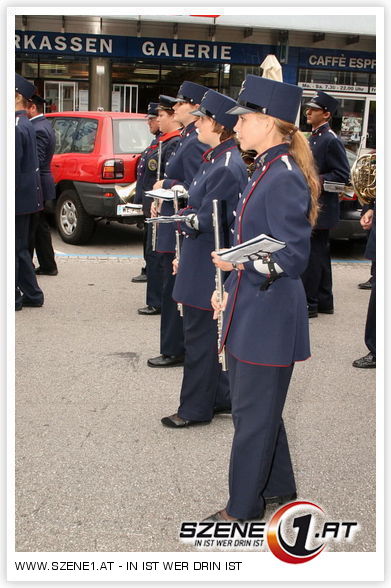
333 166
141 170
40 237
28 197
180 170
368 222
167 142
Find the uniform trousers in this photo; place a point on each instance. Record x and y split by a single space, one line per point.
153 262
260 462
25 278
317 278
370 326
41 241
171 324
204 386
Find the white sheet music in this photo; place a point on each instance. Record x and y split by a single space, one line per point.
252 249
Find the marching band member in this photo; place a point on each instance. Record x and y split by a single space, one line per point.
141 172
222 176
180 170
28 197
168 138
266 321
333 166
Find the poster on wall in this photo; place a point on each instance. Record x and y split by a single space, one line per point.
351 128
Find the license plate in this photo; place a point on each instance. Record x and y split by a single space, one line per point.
123 210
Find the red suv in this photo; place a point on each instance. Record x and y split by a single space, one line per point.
96 153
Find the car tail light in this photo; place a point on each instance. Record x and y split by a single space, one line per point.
108 195
350 198
113 169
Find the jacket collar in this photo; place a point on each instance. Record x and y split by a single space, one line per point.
270 154
324 127
217 151
186 131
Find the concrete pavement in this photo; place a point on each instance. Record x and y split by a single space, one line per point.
95 469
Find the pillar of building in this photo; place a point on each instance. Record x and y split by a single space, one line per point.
99 95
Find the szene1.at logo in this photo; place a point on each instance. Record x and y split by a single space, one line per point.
299 531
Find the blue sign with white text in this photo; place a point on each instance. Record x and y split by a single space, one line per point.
188 50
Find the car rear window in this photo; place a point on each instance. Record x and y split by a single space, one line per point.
131 135
74 135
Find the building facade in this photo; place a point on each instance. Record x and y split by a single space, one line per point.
83 63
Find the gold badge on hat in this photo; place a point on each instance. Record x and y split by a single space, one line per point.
152 165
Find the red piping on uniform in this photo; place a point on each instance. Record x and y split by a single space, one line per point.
268 364
232 311
218 155
193 306
252 190
240 240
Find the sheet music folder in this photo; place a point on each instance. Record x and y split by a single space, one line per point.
253 249
161 193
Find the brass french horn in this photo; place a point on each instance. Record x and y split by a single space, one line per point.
363 178
126 193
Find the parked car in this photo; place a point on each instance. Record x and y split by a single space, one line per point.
95 152
349 226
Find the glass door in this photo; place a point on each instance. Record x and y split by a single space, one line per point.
60 96
124 98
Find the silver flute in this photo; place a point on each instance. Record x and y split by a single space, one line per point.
156 200
219 285
177 241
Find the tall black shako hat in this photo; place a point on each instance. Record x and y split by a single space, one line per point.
276 99
215 105
24 87
152 109
323 101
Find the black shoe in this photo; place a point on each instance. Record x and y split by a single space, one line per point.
280 499
149 310
326 310
365 285
368 361
41 272
222 410
165 361
312 313
32 303
174 421
141 278
217 517
18 306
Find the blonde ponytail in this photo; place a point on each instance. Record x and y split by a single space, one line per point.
302 154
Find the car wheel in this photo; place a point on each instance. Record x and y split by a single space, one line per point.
74 224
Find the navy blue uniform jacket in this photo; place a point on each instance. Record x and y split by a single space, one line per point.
181 168
169 142
28 194
270 327
46 144
333 165
141 170
222 176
